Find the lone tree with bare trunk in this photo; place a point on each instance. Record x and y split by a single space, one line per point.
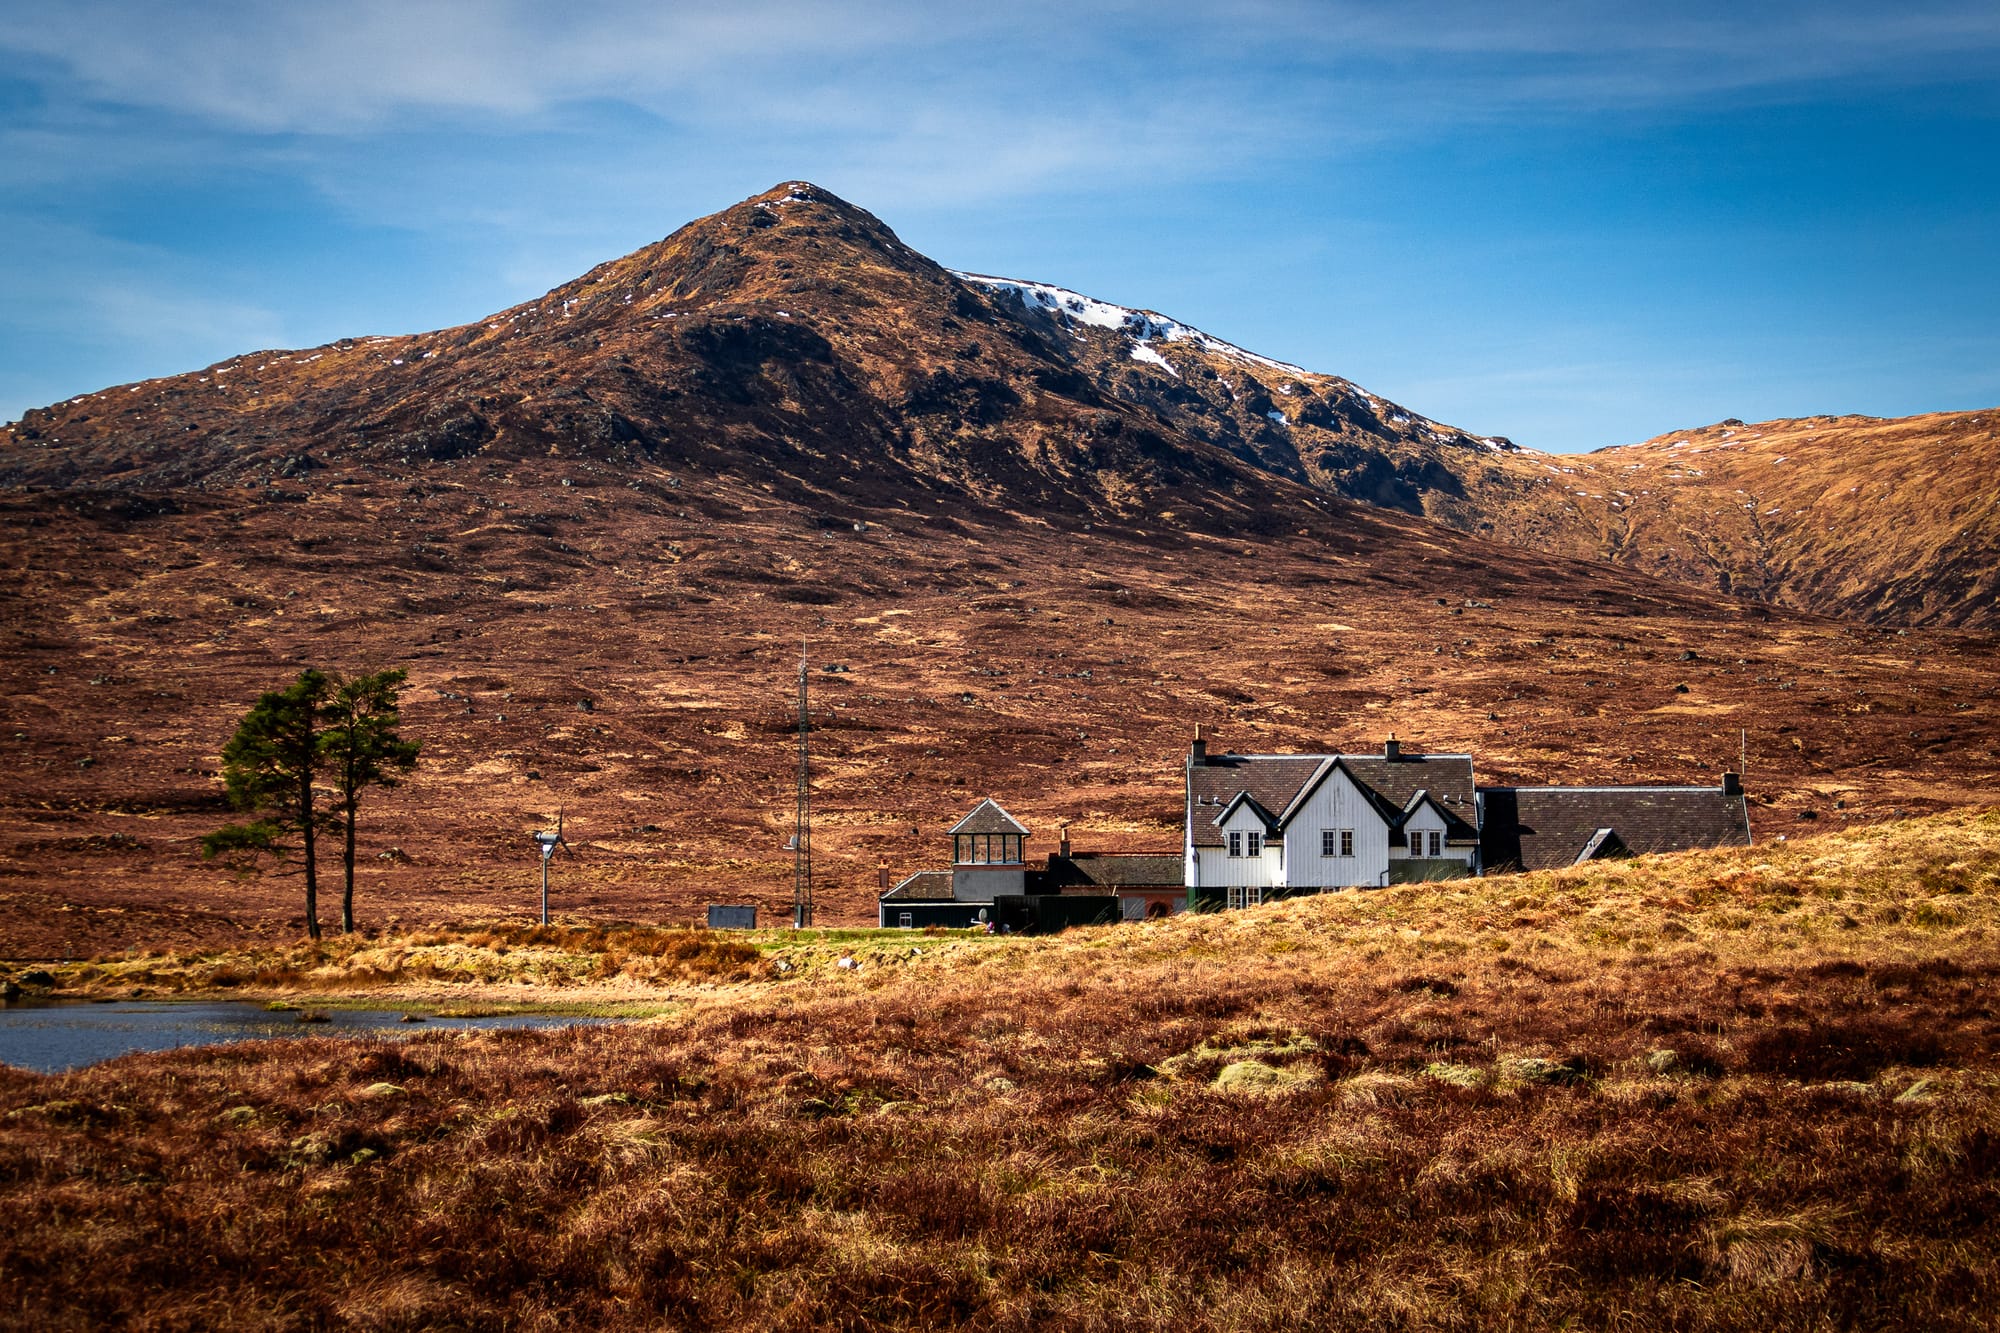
268 767
361 748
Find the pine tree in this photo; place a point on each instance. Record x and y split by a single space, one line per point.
360 748
268 767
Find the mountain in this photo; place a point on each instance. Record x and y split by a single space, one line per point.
795 336
1031 541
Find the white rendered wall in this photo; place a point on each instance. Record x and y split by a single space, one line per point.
1218 869
1426 820
1337 804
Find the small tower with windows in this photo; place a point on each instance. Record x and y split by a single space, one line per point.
988 854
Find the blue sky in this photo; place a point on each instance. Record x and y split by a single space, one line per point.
1573 224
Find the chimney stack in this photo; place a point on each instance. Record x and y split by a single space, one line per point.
882 875
1732 784
1392 748
1198 753
1063 844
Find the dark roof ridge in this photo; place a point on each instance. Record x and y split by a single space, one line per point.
1620 786
1404 757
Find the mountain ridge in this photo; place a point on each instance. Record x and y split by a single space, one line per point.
794 333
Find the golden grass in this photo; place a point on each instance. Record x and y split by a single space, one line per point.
1728 1090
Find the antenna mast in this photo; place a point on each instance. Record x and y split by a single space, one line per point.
802 860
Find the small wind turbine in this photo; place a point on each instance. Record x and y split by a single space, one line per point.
546 843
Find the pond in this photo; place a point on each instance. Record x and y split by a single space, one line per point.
50 1038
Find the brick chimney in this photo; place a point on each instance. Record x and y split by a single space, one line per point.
1062 847
1392 748
1732 784
882 875
1198 752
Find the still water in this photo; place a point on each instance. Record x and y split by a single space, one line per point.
52 1038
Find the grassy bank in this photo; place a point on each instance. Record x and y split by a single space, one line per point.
1744 1090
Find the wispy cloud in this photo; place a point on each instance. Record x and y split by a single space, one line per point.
285 68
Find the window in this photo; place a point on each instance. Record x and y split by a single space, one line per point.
1329 842
906 920
1416 842
1245 896
986 849
1235 843
1347 842
1253 843
1437 843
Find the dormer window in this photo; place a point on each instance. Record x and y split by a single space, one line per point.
1235 842
1253 843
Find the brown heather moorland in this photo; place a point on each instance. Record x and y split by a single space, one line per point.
1750 1090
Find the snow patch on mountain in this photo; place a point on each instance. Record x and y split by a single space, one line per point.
1143 325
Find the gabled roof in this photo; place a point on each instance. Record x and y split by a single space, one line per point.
1448 777
988 817
1604 845
1539 828
924 886
1244 798
1115 870
1283 782
1455 829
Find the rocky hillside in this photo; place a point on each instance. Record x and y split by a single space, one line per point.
791 338
1892 521
795 340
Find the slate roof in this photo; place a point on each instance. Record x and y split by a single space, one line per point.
1539 828
1114 870
988 817
1275 781
925 886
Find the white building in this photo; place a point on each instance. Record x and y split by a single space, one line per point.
1263 826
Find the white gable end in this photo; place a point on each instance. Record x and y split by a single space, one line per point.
1315 860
